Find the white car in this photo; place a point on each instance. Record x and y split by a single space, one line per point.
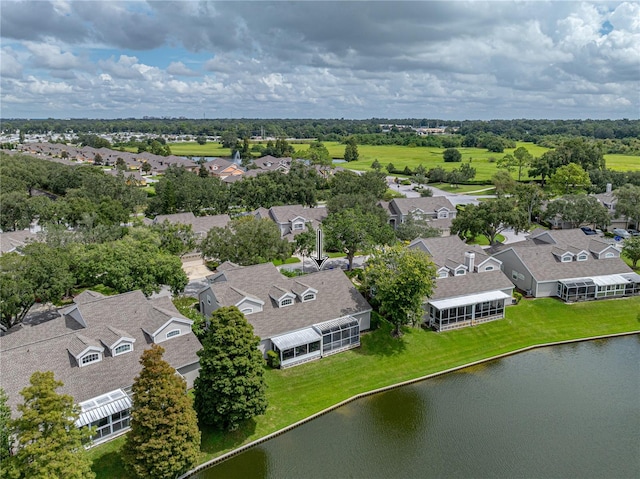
621 232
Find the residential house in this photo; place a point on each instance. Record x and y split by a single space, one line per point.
609 201
94 348
438 211
10 241
271 163
569 265
302 318
470 286
292 219
221 168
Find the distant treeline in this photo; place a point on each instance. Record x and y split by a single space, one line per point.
332 129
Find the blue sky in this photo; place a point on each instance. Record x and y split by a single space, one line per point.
451 60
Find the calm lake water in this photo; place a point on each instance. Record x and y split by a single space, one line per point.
569 411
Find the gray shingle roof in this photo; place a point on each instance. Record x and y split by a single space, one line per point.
336 297
428 204
454 286
26 349
448 250
540 256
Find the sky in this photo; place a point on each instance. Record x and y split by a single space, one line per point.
449 60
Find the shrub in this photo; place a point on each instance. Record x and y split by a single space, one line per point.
273 360
517 296
426 192
451 155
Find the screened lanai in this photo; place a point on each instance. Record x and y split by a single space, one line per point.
320 340
297 347
467 310
599 287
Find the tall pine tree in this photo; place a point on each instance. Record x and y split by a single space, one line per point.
164 440
50 446
231 387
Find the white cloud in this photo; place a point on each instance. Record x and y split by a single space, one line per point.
180 69
10 67
347 59
48 55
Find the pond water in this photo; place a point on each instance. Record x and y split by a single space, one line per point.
560 412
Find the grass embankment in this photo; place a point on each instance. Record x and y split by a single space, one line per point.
381 361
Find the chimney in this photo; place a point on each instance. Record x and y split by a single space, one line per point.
469 260
608 187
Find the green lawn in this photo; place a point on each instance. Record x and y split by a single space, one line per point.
401 156
301 391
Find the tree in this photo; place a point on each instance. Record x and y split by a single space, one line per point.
371 183
413 228
41 274
452 155
201 140
97 159
578 210
318 154
628 204
504 183
228 139
146 167
246 241
489 218
164 440
507 162
400 280
545 165
230 388
49 445
569 178
305 243
631 249
5 428
522 158
529 197
376 165
128 264
175 238
351 150
351 230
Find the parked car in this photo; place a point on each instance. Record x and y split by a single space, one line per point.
588 231
621 232
633 232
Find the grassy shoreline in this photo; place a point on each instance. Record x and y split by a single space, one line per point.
381 361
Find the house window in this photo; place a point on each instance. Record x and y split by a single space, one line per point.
309 297
89 358
208 300
514 275
443 274
460 272
489 268
172 333
298 226
582 257
609 255
566 258
123 348
246 310
286 302
443 214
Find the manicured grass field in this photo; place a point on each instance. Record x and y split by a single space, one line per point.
401 156
301 391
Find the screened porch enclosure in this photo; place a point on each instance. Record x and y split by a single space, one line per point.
108 414
599 287
320 340
468 310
